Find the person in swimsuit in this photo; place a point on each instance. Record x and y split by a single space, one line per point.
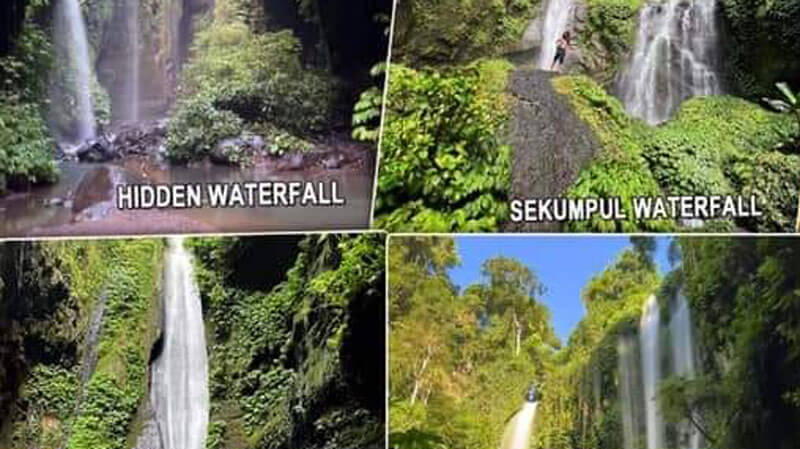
562 44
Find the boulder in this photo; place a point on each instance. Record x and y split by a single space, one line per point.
97 186
99 149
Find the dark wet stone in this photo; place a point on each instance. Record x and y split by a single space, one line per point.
551 144
96 187
333 161
96 150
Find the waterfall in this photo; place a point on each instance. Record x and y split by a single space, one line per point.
556 20
73 52
629 391
520 429
683 357
674 58
649 332
132 81
180 378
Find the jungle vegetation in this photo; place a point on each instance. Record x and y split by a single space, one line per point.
295 348
462 356
444 121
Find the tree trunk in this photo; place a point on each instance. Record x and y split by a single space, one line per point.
518 335
420 372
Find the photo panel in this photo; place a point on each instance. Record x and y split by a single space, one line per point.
193 343
630 342
592 116
129 117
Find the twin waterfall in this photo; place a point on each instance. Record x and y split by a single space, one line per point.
642 367
73 51
519 429
674 58
180 374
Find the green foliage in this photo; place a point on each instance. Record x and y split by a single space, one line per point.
26 150
580 406
435 32
607 36
48 398
367 110
744 299
620 170
239 79
451 351
283 142
444 165
278 354
196 127
61 291
715 145
764 42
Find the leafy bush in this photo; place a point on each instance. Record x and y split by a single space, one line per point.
26 149
620 170
246 80
196 127
714 145
442 149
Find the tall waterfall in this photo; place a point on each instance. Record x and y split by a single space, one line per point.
73 52
683 357
649 332
132 82
556 20
520 428
674 58
629 390
180 377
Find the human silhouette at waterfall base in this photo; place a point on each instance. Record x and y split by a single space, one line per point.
562 44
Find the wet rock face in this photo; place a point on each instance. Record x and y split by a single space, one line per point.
140 138
236 149
96 187
96 150
551 144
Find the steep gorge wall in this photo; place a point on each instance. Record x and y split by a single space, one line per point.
78 320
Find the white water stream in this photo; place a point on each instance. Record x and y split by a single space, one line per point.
674 58
649 332
180 377
556 20
519 429
74 52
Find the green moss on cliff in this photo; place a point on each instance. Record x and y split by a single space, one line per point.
49 316
620 170
606 36
713 146
436 32
295 364
763 43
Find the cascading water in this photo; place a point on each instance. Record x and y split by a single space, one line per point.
180 376
556 20
674 58
132 81
520 429
629 392
649 332
683 357
74 52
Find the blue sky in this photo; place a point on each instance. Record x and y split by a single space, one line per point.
563 265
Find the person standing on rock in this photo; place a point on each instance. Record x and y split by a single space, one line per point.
562 44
